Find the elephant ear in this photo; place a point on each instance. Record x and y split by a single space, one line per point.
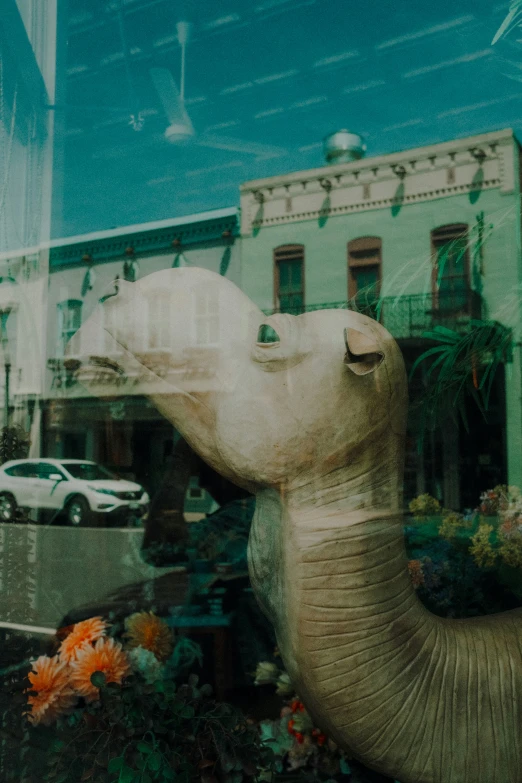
363 354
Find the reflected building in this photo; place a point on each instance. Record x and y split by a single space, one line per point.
32 36
424 238
119 427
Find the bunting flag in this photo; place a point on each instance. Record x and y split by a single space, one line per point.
179 261
225 261
131 270
88 281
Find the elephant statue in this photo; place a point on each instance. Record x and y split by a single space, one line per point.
308 412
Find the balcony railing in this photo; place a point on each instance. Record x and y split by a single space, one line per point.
408 316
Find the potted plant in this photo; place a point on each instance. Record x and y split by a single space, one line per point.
121 709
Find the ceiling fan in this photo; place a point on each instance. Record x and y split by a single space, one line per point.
180 128
172 100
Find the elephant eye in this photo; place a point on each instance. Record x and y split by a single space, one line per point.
267 334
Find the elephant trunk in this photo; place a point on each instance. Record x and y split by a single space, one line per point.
410 694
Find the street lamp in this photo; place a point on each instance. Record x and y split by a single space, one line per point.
4 315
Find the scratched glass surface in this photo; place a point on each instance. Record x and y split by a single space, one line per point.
316 155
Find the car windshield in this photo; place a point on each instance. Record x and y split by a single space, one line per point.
88 471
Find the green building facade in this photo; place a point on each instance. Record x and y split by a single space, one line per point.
423 238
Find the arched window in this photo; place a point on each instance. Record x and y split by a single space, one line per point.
289 291
364 270
450 270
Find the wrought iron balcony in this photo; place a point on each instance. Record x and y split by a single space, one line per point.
408 316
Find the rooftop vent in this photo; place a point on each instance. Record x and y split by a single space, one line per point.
343 146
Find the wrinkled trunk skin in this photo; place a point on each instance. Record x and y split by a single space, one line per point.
414 696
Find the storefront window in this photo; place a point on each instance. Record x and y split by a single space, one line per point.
260 391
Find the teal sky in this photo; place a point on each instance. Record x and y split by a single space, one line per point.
278 73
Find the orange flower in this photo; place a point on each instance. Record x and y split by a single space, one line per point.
54 693
107 657
146 630
87 631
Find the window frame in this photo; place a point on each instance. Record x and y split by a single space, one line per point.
439 236
359 245
65 307
292 248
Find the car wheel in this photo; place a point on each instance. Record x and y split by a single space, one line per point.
7 508
77 512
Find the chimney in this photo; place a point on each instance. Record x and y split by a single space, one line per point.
343 146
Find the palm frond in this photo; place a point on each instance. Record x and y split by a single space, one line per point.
461 366
442 334
511 19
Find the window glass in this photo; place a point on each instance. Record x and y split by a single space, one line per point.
289 279
261 305
22 471
364 274
87 471
452 268
367 279
44 470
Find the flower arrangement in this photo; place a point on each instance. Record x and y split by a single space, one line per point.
481 547
493 500
453 524
298 745
86 657
497 522
424 506
123 711
499 541
470 565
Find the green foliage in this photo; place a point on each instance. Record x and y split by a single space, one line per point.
453 525
14 443
139 733
144 730
185 655
300 749
461 366
424 506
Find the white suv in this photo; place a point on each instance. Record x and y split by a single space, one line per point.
83 491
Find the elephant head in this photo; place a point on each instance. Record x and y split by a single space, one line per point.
267 401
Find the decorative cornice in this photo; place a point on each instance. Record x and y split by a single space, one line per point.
424 174
369 204
145 243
